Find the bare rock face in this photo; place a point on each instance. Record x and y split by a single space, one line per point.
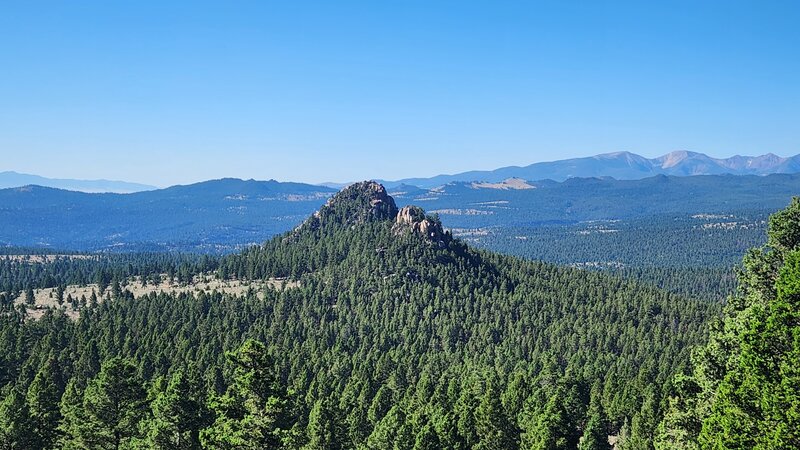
413 218
409 215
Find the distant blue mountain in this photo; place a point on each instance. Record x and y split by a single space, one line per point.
212 216
223 215
14 179
621 166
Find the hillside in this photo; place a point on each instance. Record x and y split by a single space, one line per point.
622 166
396 333
742 389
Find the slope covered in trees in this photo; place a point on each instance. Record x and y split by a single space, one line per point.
397 336
744 388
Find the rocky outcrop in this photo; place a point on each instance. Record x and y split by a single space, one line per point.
413 219
368 201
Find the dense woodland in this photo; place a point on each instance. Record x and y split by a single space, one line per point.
655 241
393 338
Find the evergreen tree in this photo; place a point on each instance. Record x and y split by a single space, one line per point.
254 412
42 401
595 435
30 299
324 430
15 425
178 414
392 432
742 392
60 295
556 427
758 401
427 439
71 408
495 430
643 425
113 405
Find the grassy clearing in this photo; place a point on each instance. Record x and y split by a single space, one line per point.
48 298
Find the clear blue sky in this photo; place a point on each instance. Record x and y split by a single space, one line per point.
341 90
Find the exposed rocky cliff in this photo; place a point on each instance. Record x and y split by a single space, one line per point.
413 219
368 201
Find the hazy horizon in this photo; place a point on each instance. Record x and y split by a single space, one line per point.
332 181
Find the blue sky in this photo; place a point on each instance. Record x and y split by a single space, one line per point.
340 90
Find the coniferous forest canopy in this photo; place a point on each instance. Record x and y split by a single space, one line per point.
384 331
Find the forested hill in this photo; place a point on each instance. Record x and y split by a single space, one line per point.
395 335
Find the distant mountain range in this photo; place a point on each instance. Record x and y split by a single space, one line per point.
621 166
212 216
14 179
223 215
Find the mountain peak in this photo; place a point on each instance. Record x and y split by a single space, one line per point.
365 201
617 155
672 159
368 201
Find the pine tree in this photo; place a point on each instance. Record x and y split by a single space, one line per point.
595 436
324 430
30 299
556 426
495 430
758 402
643 425
71 408
43 404
742 392
427 439
253 413
113 405
389 431
60 295
88 364
15 423
178 414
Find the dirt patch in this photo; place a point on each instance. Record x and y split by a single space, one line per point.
48 297
41 259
